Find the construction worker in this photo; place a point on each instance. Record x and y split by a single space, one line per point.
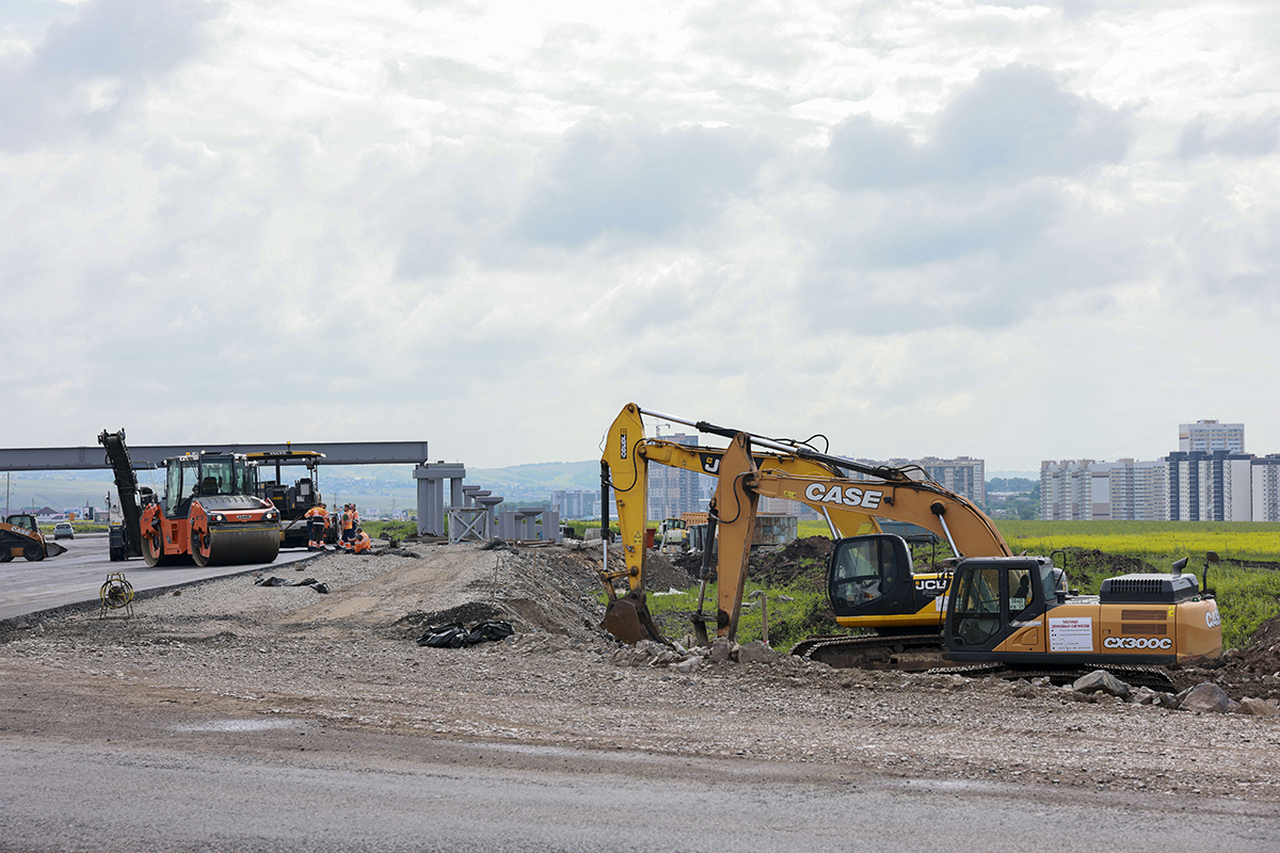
317 522
348 525
361 542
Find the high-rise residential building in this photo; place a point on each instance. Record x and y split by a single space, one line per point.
1209 436
1210 486
1265 477
1075 490
1139 490
963 475
576 503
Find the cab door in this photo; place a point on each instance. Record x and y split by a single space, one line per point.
996 610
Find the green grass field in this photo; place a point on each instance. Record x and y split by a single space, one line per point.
1246 587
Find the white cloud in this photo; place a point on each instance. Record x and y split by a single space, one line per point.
490 225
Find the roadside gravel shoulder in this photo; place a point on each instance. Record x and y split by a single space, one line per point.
230 648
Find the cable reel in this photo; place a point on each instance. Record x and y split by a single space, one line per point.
116 593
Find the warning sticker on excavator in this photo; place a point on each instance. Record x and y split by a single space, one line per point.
1071 634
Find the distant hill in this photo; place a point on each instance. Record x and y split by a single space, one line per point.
538 476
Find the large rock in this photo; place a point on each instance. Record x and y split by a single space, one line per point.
1101 681
1258 707
688 666
722 650
756 652
1207 697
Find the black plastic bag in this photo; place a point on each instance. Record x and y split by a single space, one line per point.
490 629
452 636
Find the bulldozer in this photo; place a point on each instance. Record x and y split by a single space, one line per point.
211 514
20 536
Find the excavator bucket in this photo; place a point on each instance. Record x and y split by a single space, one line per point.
53 549
628 619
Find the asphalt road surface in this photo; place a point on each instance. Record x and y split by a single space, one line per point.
76 577
278 784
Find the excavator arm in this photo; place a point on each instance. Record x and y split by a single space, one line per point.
626 453
948 515
624 468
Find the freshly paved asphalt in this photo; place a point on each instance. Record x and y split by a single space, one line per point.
76 577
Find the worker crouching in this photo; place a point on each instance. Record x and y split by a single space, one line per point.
361 542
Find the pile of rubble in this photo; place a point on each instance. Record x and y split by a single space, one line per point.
1204 697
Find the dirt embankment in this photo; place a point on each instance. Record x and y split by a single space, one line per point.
230 648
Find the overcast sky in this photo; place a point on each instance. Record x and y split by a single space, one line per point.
1007 230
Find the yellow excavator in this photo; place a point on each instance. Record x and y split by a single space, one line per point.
624 470
994 611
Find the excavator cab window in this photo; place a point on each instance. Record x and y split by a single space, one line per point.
866 570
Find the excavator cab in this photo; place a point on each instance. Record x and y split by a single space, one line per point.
994 598
869 575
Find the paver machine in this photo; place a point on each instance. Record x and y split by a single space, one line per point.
292 500
211 513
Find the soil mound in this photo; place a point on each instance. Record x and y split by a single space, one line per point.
800 563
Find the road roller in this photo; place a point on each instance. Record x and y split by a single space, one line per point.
210 514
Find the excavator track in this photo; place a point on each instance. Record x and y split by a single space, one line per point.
923 653
1152 677
907 652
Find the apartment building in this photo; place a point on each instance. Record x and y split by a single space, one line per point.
673 491
1210 436
1264 475
1183 486
1210 486
576 503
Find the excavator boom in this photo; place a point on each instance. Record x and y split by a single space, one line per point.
624 468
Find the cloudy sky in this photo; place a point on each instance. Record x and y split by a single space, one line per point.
1008 230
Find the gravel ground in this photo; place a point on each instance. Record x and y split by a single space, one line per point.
349 658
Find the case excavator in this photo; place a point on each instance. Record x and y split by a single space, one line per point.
991 613
211 514
624 470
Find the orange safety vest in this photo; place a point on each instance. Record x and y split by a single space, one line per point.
362 543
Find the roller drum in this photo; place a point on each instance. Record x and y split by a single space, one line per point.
230 547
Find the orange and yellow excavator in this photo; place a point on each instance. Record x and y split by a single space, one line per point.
991 609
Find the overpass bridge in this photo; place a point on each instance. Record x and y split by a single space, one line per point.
429 477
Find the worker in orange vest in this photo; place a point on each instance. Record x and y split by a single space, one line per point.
317 522
362 542
349 519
